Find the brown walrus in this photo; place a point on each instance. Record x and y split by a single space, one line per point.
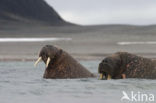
125 65
60 65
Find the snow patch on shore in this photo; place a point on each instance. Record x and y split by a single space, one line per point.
135 43
34 39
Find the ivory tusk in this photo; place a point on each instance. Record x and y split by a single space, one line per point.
38 60
48 61
109 77
101 76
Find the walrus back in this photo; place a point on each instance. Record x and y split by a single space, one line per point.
65 66
75 68
139 67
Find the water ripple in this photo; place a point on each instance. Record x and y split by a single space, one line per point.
24 82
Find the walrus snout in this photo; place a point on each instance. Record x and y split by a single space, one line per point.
46 54
105 71
47 61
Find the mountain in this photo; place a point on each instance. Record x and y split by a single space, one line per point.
29 11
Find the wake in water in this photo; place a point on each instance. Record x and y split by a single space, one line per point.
34 39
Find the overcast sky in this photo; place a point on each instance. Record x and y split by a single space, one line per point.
86 12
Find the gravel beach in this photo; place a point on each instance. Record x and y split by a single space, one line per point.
85 42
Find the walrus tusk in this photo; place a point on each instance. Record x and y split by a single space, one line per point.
101 76
109 77
48 61
38 60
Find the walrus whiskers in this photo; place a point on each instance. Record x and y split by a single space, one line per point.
108 77
48 61
38 60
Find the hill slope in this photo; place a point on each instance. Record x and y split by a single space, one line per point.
29 11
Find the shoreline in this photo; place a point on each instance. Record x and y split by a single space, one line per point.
78 57
86 43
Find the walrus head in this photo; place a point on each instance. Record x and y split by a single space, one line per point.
109 68
47 54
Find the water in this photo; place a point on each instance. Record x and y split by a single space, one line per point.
20 82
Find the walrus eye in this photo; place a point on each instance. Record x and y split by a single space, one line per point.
106 60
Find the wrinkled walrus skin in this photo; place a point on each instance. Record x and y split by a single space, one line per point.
125 65
61 65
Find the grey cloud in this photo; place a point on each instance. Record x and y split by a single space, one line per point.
106 11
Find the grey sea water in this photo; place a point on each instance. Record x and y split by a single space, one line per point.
20 82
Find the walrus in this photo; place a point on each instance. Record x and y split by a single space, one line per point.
60 65
123 65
